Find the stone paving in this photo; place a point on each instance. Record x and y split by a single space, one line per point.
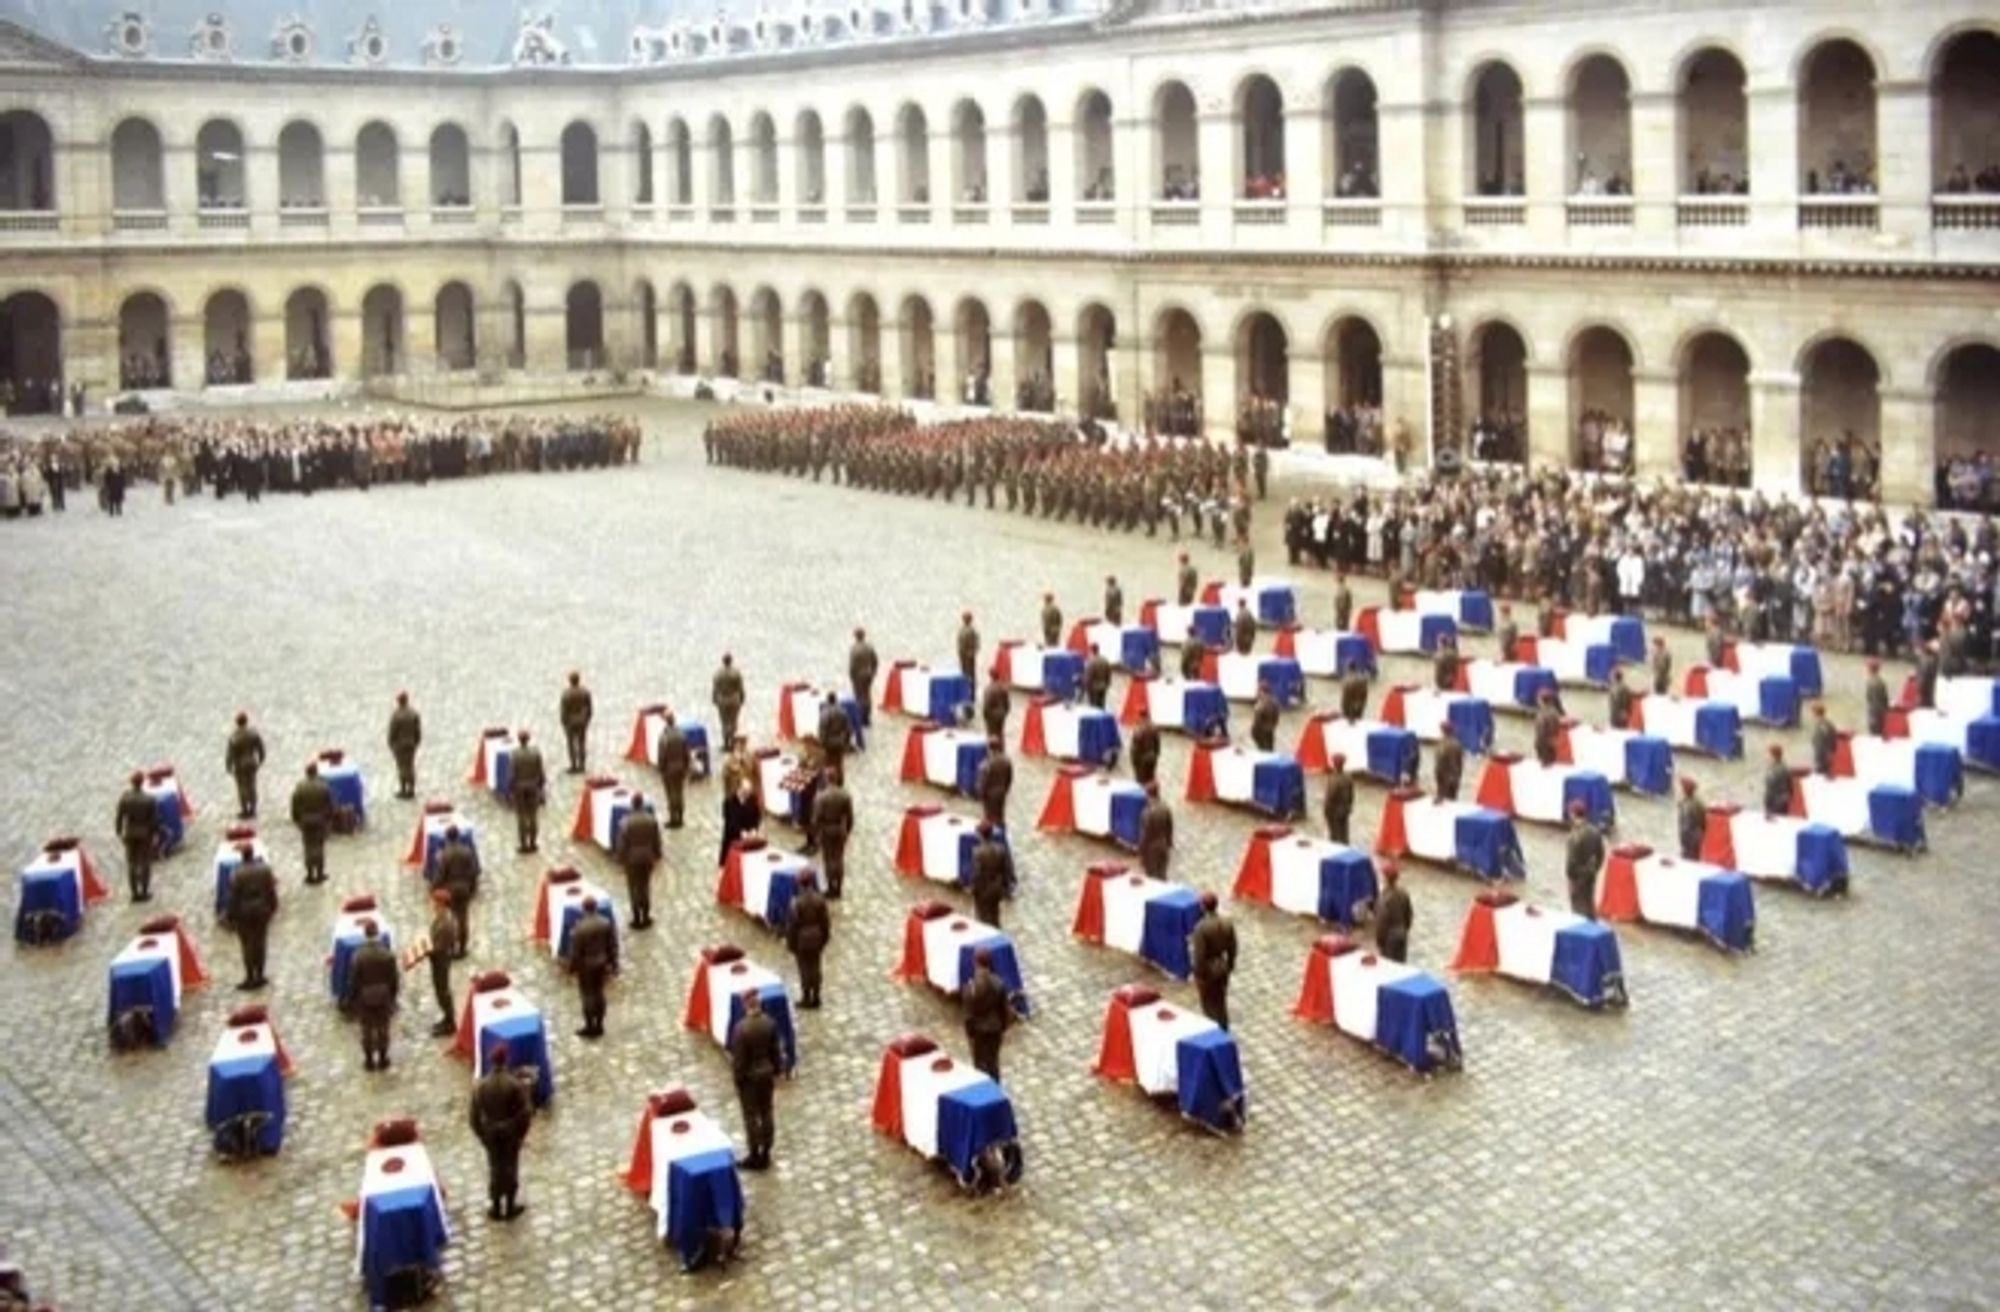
1814 1125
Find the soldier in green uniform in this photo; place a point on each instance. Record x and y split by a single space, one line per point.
1584 859
444 949
1450 764
992 875
1876 696
502 1110
1444 665
529 780
988 1013
406 734
1051 621
575 711
1927 675
138 823
727 693
833 823
1243 628
1337 806
968 649
676 760
1114 600
1693 819
1156 833
639 850
836 732
994 781
1246 563
1394 916
1548 726
313 811
593 959
458 875
1354 692
1663 668
807 933
1825 740
1620 702
995 703
1264 720
1187 583
1343 602
1212 954
1717 641
253 900
1145 748
1508 636
862 664
1193 658
244 757
1096 678
1777 784
373 980
754 1061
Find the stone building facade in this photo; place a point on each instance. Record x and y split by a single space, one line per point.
1782 219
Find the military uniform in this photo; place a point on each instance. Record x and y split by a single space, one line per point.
1693 826
1114 602
1449 768
832 825
639 851
1777 789
754 1061
994 781
313 809
575 711
836 732
1825 739
593 958
1244 629
1264 721
1663 670
502 1110
1051 624
727 693
1621 705
458 875
1187 585
968 652
992 877
138 824
1156 837
244 757
988 1013
676 764
994 706
1246 566
253 900
373 980
1507 639
1145 751
862 664
1096 679
1193 655
1877 697
1585 858
1927 678
1338 805
1548 725
1343 606
1444 667
529 780
807 934
406 734
1212 953
444 950
1393 920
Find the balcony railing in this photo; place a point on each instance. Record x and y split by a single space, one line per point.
764 212
1259 213
642 211
222 219
29 221
815 214
861 213
680 214
1351 212
1965 213
1839 213
1031 214
1712 211
722 214
1176 213
970 215
1096 213
379 216
446 216
138 220
1494 211
583 216
915 212
1598 211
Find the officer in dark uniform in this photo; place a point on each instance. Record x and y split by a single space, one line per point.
253 900
832 825
988 1013
994 781
968 649
1338 805
676 760
992 875
1193 657
639 850
1548 727
1156 833
1145 748
1246 563
1693 820
593 959
1114 600
444 950
575 711
1584 859
1212 954
1187 583
1508 636
529 779
1354 692
244 757
1444 665
1716 641
502 1110
836 732
406 734
1096 678
1449 768
754 1061
807 933
458 875
1394 916
726 691
373 980
1663 668
1825 739
1620 702
138 823
1243 628
313 809
1051 621
995 704
1264 720
862 664
1777 784
1876 695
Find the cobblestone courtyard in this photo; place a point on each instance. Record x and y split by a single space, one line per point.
1814 1125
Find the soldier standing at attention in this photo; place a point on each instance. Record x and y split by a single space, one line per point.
1508 637
1444 666
968 649
836 732
575 711
1548 725
1051 621
1338 806
639 851
676 763
528 781
243 758
1212 954
1394 916
501 1113
1825 740
1449 767
1243 628
1354 692
806 935
458 875
727 694
833 822
1927 675
1585 859
1620 708
1156 833
1663 668
1693 820
1343 602
862 664
253 900
138 823
754 1061
593 959
1145 748
313 809
1246 562
406 734
373 980
1187 583
994 781
1264 720
1114 600
444 949
994 706
1877 696
992 875
988 1013
1193 657
1777 784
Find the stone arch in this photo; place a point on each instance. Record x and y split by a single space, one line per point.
583 326
308 334
228 344
145 341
